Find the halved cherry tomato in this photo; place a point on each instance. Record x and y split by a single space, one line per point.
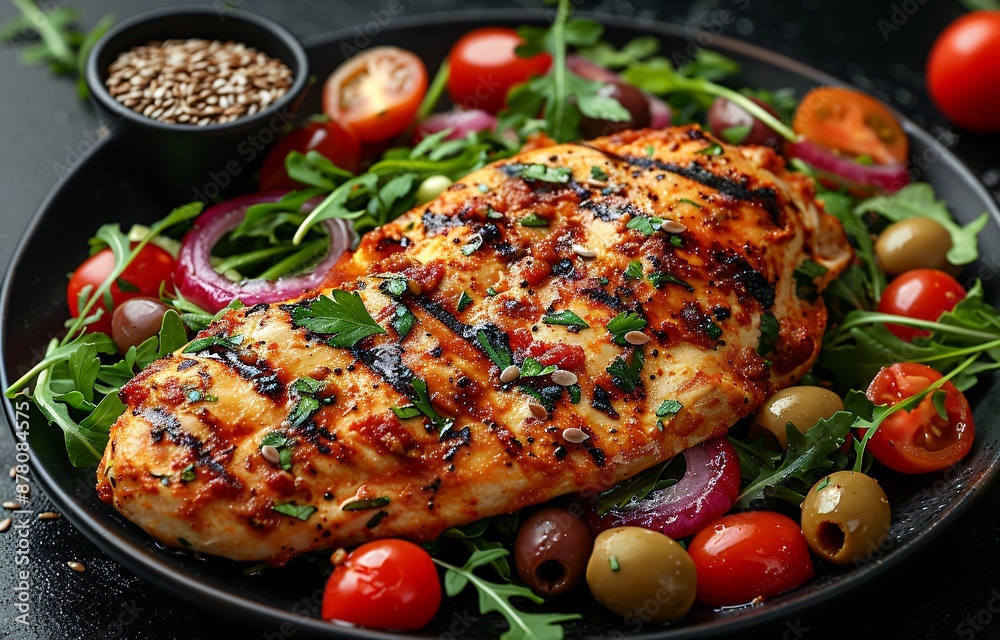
143 277
745 555
386 584
338 144
852 123
921 440
923 294
376 93
484 67
962 69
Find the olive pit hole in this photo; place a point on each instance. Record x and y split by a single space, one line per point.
550 574
830 537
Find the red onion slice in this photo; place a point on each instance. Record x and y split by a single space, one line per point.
709 488
659 112
200 283
460 122
838 171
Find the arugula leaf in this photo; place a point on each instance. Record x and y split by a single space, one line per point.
627 375
407 412
917 200
220 340
629 493
499 353
494 597
623 323
737 134
343 317
805 280
422 401
532 368
565 318
365 505
300 512
805 462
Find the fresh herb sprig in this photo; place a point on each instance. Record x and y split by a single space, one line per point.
60 45
341 315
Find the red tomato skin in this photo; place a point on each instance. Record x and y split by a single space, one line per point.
923 294
962 68
742 556
385 584
903 441
150 268
337 143
380 112
484 67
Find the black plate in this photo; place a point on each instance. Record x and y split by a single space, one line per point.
109 186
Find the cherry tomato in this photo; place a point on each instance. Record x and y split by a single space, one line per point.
962 68
921 440
143 277
484 67
386 584
745 555
338 144
923 294
376 93
852 123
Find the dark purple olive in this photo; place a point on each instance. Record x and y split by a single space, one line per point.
630 98
551 551
135 321
724 115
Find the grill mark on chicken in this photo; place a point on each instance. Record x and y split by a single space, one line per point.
736 268
386 361
264 379
497 338
763 196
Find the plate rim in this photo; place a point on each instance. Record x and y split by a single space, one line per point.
150 564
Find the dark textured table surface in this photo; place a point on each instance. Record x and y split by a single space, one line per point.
878 45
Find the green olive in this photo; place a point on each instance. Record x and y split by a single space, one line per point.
913 243
846 517
802 406
637 572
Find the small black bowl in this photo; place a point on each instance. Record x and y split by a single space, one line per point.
185 161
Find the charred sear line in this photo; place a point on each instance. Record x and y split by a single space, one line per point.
602 402
257 308
164 422
437 223
264 379
611 209
386 361
746 278
598 294
457 440
496 336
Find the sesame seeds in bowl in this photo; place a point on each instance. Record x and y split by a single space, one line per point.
197 81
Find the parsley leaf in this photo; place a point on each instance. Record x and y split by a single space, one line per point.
714 149
365 505
623 323
769 328
222 340
464 301
283 444
660 278
565 318
627 374
422 401
532 368
634 270
540 172
534 220
499 353
301 512
343 317
472 245
394 286
646 225
598 173
668 408
402 321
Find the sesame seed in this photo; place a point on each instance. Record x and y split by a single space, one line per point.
672 226
510 374
538 410
574 435
4 524
584 252
271 453
564 378
636 337
48 515
76 566
11 505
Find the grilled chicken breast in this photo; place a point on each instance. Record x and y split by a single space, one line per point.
265 441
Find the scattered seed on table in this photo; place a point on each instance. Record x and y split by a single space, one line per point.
76 566
48 515
197 81
4 524
11 505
